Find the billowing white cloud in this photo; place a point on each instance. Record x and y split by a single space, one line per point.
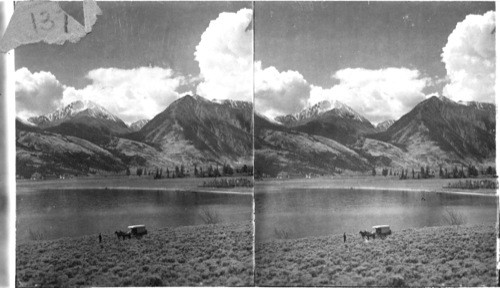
131 94
36 93
376 94
278 93
224 55
469 57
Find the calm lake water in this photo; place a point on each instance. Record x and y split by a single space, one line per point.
318 212
69 213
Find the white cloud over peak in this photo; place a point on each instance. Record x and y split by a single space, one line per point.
225 58
469 57
131 94
377 94
278 93
36 93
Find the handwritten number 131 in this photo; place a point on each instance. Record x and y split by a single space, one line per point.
45 22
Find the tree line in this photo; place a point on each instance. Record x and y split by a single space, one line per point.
197 171
426 172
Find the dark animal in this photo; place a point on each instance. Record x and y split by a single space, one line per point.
100 238
123 235
344 237
367 235
370 234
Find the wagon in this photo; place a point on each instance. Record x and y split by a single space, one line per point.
382 230
137 230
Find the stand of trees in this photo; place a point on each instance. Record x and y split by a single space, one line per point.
181 171
426 172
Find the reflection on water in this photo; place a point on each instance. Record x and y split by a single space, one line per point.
68 213
316 212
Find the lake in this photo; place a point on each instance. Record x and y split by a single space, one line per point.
318 212
70 213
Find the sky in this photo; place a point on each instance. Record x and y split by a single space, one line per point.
140 57
380 58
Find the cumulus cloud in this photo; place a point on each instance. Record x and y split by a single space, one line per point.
131 94
36 93
278 93
376 94
469 57
224 56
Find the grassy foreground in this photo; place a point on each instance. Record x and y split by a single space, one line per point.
219 255
450 256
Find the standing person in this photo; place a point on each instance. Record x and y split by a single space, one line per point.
344 237
100 238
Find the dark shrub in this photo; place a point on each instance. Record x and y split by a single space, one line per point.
152 281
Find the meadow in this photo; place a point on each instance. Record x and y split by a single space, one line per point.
445 256
207 255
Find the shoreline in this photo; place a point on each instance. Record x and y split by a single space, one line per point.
186 227
125 183
432 185
364 188
190 190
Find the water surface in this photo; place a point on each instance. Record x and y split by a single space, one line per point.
70 213
317 212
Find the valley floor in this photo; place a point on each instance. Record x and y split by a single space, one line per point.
207 255
369 183
127 182
450 256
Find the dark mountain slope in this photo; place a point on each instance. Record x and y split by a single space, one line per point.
194 129
281 149
466 130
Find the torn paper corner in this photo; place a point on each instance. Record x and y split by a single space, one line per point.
90 12
37 21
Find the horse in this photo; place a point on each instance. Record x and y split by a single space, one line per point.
367 235
123 234
362 233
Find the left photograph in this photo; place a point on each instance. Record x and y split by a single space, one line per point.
134 162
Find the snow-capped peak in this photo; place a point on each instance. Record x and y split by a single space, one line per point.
137 125
341 109
383 126
313 111
72 109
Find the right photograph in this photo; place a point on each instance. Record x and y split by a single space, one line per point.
374 140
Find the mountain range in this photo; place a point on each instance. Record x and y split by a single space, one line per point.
325 138
330 136
335 120
83 137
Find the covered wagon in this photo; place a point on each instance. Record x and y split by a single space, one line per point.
137 230
382 230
